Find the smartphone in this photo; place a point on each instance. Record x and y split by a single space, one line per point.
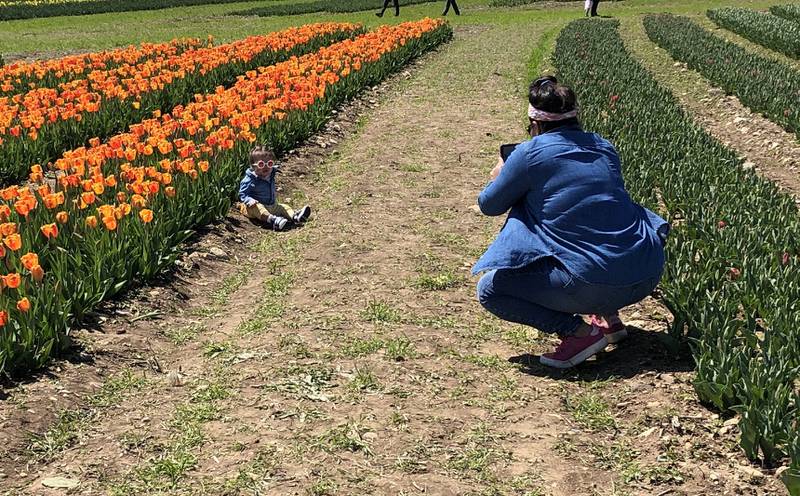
505 150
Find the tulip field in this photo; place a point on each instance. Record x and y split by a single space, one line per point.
349 355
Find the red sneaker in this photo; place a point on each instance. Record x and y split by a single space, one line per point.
612 327
574 350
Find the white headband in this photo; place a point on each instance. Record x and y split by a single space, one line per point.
541 115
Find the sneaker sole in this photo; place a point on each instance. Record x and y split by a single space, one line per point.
616 337
577 359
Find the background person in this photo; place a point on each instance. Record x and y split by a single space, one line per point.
574 242
447 7
386 6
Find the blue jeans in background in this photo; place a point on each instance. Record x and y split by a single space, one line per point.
545 296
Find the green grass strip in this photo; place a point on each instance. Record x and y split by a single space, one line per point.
56 8
769 30
765 85
732 278
332 6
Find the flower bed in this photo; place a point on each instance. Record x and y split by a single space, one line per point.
763 84
19 77
37 126
765 29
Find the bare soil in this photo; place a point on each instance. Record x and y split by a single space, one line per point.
350 356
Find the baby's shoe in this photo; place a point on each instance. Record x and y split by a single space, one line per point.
302 215
278 223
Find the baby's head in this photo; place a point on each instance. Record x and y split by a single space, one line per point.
261 161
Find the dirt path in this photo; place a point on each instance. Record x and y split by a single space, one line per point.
350 356
765 146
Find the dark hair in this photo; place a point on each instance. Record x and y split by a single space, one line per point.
547 94
261 153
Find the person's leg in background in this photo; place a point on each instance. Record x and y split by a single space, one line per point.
385 6
594 7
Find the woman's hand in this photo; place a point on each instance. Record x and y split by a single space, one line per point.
497 168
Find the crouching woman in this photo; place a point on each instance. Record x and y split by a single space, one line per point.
574 242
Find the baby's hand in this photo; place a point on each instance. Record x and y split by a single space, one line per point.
497 168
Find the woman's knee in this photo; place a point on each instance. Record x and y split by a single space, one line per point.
486 288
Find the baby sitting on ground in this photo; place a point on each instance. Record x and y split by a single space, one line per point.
258 195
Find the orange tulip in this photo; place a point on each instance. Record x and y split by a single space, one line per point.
13 242
24 305
138 201
49 230
110 222
62 217
91 221
146 215
3 318
8 228
122 197
12 280
88 198
169 191
22 208
37 273
5 212
29 260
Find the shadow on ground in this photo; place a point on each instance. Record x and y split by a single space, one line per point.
642 352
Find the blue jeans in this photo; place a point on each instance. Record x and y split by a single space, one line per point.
546 296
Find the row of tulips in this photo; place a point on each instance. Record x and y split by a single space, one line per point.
790 11
35 127
116 212
732 279
764 84
23 76
766 29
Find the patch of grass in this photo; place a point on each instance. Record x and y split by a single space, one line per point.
323 487
380 312
413 168
230 284
415 460
254 476
487 361
272 304
216 349
475 459
345 437
168 466
363 381
520 336
295 346
115 387
359 347
590 410
507 389
399 349
71 424
438 282
185 334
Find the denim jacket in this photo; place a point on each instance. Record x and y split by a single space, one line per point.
253 188
567 200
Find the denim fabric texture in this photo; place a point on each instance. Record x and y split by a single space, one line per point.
546 296
255 189
565 197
